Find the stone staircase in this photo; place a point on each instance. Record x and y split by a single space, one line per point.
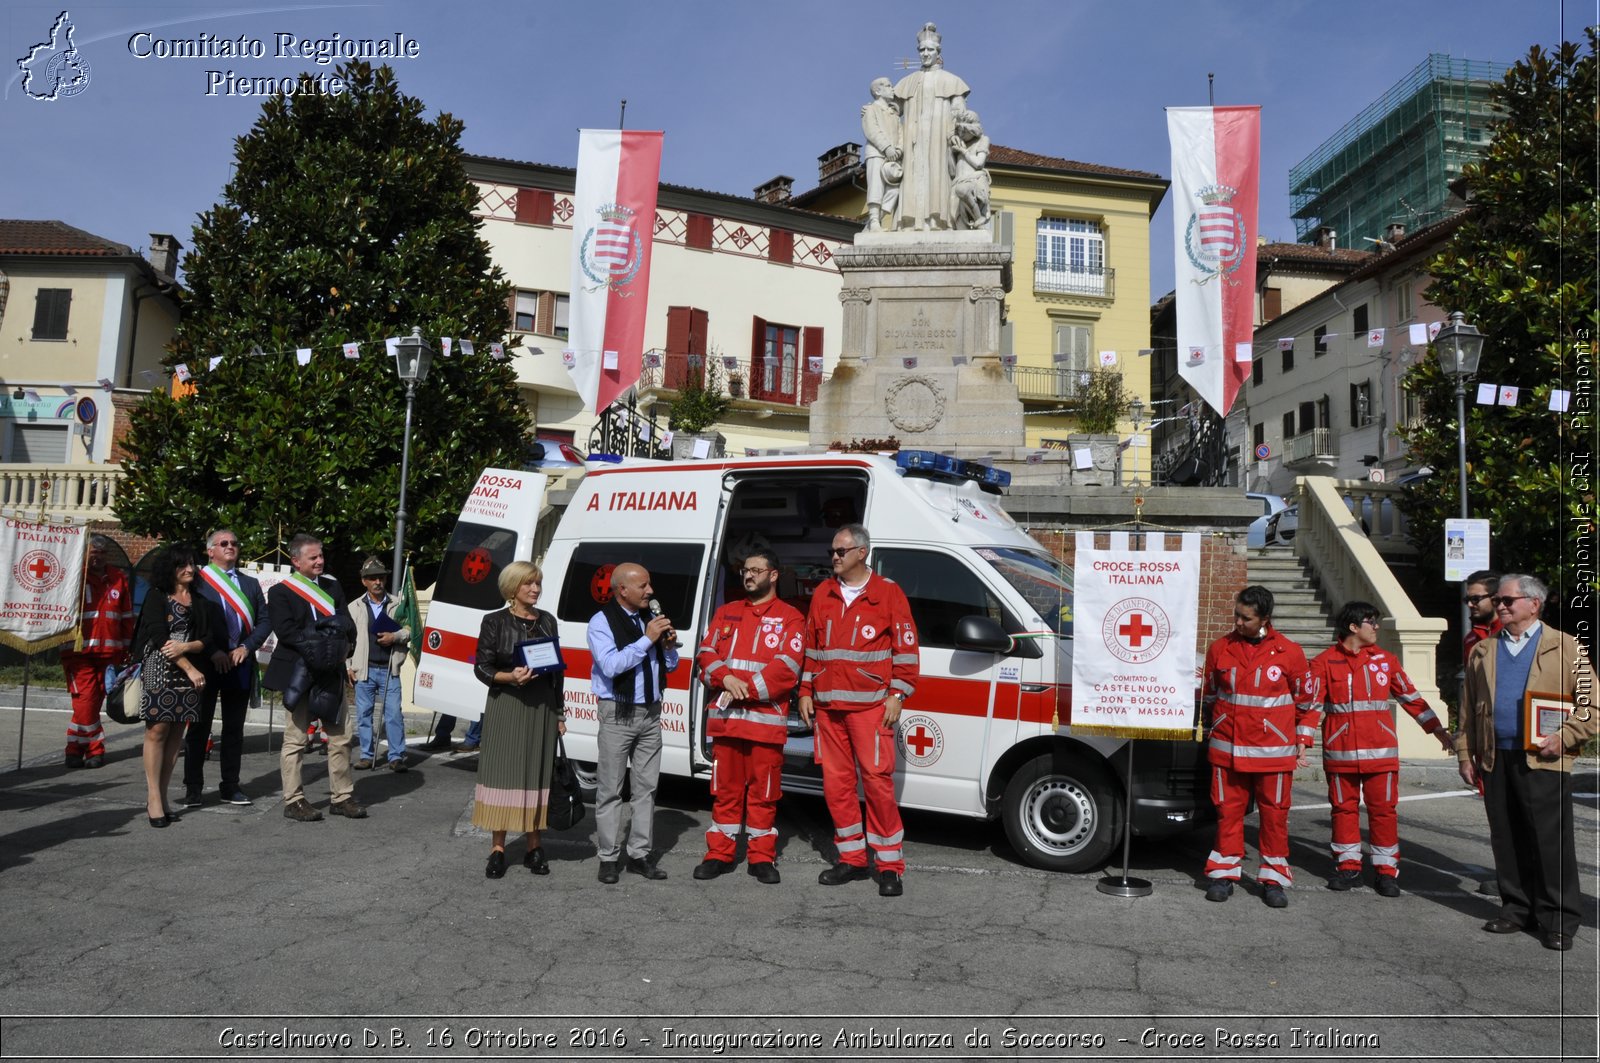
1301 611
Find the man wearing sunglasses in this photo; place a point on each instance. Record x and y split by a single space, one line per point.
239 608
1353 681
1479 601
751 655
1527 777
861 665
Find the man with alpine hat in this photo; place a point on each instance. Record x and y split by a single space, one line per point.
380 650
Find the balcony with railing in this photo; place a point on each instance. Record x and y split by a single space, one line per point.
783 384
79 492
1047 281
1041 384
1316 447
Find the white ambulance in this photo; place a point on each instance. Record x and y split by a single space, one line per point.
988 732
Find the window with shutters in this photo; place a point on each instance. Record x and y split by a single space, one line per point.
1271 304
1072 361
1258 434
697 231
686 347
1288 427
781 357
1403 310
1361 404
542 313
1358 322
536 206
1258 371
50 310
780 247
1288 358
38 443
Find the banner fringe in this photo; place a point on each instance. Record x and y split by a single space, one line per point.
1158 733
22 645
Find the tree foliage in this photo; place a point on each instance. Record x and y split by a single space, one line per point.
348 218
1522 268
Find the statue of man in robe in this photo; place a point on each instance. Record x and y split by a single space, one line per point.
929 99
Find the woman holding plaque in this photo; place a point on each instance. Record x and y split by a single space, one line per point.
522 720
174 634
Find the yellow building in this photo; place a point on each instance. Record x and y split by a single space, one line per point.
1080 291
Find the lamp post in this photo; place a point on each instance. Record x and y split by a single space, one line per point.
413 356
1459 346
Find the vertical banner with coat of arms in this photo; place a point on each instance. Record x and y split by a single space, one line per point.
1136 616
1216 178
41 581
613 225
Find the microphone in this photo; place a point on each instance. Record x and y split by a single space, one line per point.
655 612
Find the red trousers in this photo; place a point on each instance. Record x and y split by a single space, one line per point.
746 782
848 742
1381 791
1231 792
86 679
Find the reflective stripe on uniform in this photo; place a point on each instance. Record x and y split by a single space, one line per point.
1262 701
869 697
1252 751
1358 706
860 656
1353 755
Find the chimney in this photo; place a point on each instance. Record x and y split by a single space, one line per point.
777 190
164 253
837 160
1328 238
1395 232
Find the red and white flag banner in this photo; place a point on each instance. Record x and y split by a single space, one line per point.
613 227
41 579
1216 177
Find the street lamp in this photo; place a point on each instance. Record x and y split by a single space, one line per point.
1460 345
413 356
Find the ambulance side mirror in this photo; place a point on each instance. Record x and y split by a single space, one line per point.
982 634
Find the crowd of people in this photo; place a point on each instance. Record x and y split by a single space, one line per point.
848 665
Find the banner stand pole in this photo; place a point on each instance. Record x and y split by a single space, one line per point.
1121 885
22 718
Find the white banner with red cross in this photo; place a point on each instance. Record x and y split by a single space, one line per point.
1135 621
41 583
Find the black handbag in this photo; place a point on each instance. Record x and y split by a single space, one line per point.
566 799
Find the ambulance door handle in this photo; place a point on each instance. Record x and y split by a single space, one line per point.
1035 688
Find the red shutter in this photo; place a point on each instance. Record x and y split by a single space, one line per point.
536 206
810 346
697 331
780 247
758 346
1272 304
698 232
677 359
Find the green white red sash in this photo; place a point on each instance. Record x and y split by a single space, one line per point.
232 594
319 600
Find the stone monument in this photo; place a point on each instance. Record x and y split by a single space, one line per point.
924 285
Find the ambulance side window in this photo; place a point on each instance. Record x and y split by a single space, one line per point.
470 574
941 591
674 577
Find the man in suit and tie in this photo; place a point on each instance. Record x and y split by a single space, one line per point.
239 609
304 608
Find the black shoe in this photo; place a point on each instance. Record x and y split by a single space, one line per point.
301 810
437 745
766 874
1274 896
164 821
1340 881
94 762
534 860
349 808
608 872
1558 941
232 795
889 884
1219 890
638 865
497 864
398 765
74 760
709 868
1501 925
840 873
191 797
1386 886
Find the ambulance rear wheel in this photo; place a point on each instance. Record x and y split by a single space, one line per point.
1060 813
588 779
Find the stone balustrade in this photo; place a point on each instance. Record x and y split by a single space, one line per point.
81 492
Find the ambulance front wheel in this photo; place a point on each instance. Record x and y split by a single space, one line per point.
588 779
1061 813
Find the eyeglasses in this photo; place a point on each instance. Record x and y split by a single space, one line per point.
1474 599
840 551
226 542
1504 601
1372 622
755 571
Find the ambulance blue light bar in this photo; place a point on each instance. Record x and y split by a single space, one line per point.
936 466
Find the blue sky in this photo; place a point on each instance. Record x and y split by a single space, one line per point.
744 91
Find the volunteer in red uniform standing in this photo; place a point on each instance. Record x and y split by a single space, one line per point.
861 665
751 653
1479 600
107 635
1354 679
1258 697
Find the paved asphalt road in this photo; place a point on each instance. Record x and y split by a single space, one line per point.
240 934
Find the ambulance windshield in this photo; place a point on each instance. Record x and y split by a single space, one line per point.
1044 582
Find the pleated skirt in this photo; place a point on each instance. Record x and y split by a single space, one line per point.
517 758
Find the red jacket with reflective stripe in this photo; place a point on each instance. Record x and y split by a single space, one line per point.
856 657
1358 733
1258 696
1478 633
107 615
762 645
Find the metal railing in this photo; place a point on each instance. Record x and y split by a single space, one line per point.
1314 445
84 492
1075 281
1040 383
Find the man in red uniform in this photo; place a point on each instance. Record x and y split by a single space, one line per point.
1479 600
861 665
107 629
1360 749
751 653
1258 698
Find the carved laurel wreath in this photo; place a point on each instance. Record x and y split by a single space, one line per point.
904 421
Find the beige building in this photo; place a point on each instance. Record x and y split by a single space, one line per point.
76 309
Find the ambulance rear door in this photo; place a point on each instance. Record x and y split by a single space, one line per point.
495 528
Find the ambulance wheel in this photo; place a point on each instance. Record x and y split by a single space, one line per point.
588 779
1060 813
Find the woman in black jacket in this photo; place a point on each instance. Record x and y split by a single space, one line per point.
521 722
174 634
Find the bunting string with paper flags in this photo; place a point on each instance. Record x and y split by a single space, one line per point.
613 222
1216 167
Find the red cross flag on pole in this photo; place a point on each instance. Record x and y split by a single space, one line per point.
41 583
1135 619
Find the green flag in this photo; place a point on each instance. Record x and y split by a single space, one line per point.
407 614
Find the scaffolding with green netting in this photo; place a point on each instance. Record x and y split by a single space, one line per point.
1393 161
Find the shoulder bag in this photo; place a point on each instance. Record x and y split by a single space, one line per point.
566 799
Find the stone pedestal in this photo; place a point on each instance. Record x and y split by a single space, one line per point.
934 298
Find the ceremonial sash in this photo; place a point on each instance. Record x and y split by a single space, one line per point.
319 600
231 593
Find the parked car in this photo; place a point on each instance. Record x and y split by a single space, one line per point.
1256 534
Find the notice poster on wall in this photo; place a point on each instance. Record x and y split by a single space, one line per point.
1466 548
